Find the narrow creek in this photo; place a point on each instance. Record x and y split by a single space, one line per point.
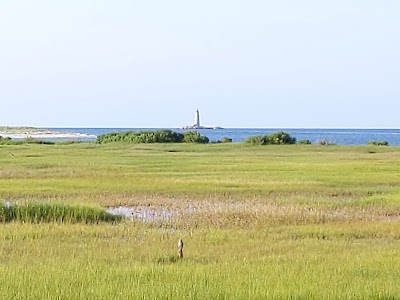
143 213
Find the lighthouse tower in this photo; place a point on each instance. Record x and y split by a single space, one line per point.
196 120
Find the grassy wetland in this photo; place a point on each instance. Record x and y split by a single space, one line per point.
258 222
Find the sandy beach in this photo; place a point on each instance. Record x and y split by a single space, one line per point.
37 133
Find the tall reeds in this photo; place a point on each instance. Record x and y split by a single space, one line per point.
39 212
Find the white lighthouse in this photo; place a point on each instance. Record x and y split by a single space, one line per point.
196 124
196 120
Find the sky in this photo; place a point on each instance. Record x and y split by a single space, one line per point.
243 64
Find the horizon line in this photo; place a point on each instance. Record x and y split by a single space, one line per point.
179 127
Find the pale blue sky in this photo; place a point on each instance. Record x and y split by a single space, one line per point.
253 63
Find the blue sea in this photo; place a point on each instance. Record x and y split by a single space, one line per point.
333 136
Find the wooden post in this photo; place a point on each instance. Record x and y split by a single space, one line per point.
180 248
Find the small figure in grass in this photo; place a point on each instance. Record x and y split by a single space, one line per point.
180 248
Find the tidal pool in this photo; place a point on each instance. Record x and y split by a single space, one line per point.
143 213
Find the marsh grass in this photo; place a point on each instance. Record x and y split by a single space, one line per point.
39 212
134 261
268 222
29 140
89 172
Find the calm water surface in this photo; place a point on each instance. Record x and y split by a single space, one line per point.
337 136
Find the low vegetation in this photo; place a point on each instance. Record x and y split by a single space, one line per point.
281 222
38 212
277 138
378 143
225 140
304 142
18 129
158 136
9 141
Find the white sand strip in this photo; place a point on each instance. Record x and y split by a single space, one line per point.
47 135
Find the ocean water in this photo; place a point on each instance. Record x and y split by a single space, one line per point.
336 136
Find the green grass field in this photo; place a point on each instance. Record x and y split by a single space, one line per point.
258 222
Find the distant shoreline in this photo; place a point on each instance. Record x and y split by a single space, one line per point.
339 136
39 133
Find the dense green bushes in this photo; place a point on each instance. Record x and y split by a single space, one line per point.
277 138
304 142
225 140
378 143
257 140
37 212
194 137
158 136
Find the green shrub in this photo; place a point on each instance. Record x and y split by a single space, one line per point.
304 142
168 136
378 143
158 136
225 140
277 138
195 137
137 137
257 140
281 138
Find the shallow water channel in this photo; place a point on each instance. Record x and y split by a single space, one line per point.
143 213
247 210
153 214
